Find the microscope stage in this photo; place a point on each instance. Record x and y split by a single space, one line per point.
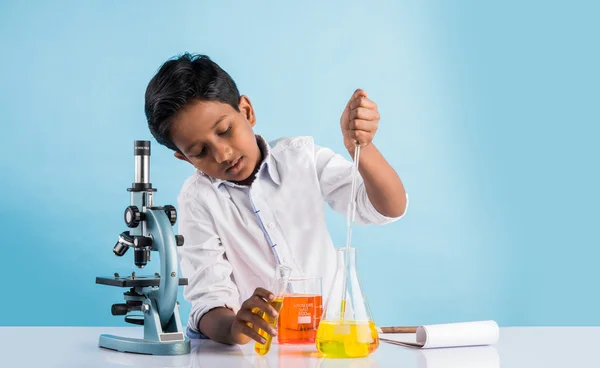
137 281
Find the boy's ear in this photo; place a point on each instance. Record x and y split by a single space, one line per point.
180 156
246 108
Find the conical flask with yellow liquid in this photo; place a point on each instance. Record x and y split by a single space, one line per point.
347 329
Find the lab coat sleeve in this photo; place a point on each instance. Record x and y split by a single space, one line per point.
334 173
203 262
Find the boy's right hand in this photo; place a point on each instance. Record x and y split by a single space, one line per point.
248 319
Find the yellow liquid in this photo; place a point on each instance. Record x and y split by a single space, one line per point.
347 339
262 349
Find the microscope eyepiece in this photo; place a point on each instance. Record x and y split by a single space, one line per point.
141 177
141 148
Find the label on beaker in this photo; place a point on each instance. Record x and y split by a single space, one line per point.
304 319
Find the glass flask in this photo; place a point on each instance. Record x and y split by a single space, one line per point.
347 329
278 287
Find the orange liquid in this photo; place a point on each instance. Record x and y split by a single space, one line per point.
299 319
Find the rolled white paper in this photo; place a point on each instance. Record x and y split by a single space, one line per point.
458 334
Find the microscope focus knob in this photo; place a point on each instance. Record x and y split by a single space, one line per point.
132 216
171 213
179 240
119 309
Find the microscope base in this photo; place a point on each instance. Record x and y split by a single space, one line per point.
158 340
140 346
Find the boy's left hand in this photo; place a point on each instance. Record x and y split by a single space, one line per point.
359 121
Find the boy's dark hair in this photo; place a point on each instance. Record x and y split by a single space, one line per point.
179 81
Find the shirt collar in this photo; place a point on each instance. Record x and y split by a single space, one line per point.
268 165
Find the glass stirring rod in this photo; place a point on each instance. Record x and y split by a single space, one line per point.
350 216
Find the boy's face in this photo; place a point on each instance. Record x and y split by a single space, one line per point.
218 140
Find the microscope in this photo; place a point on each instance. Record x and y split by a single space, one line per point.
154 296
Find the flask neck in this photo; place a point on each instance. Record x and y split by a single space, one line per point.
344 254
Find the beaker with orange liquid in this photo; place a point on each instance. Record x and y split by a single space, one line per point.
301 312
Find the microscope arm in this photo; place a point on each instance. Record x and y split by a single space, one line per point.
164 243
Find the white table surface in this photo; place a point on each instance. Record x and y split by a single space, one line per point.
518 347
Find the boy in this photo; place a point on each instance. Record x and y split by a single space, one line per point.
251 204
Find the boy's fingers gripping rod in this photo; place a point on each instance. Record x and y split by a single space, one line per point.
350 216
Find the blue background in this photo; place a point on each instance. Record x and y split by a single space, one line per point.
489 114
